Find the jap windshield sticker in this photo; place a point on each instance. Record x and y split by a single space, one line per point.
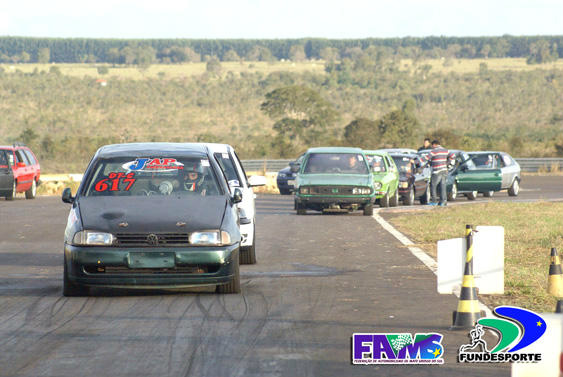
153 165
116 182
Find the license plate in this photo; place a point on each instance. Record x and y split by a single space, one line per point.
151 260
291 182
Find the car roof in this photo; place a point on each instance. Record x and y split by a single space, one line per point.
410 155
151 149
334 150
484 152
217 148
398 150
377 153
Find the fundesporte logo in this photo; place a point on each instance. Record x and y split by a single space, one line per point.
516 328
400 348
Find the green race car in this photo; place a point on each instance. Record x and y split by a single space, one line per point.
334 179
385 178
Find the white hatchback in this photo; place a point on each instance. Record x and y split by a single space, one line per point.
236 176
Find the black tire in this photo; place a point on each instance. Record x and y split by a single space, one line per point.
514 188
368 209
30 194
248 253
11 195
234 285
301 211
284 192
471 195
452 195
394 200
425 199
384 201
488 194
69 288
409 199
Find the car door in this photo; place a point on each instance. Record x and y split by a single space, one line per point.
393 174
6 173
509 169
471 178
23 174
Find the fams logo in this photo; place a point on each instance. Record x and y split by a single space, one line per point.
516 329
399 348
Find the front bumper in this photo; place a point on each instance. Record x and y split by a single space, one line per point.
282 184
157 267
313 199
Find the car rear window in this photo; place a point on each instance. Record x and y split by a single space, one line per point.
30 157
152 176
335 163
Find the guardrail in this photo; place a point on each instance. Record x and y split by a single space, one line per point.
526 164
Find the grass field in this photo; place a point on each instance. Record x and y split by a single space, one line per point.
531 229
168 71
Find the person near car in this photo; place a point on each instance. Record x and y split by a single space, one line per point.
438 158
426 145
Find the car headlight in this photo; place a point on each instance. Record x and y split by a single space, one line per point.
89 237
377 185
211 238
361 191
304 190
282 175
403 184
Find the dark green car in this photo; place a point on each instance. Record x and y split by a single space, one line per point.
467 179
334 179
152 215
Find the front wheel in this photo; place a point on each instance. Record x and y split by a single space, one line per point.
284 192
248 253
425 199
514 188
30 194
384 201
394 201
453 193
409 200
12 194
488 194
234 285
368 210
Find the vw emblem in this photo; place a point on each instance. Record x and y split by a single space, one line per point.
152 239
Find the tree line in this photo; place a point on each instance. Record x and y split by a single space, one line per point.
537 49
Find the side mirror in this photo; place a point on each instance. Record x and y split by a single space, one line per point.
237 196
257 180
67 196
294 166
21 165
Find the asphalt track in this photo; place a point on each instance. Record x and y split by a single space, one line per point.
319 279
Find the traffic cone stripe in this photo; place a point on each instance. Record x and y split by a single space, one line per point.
468 306
555 278
468 281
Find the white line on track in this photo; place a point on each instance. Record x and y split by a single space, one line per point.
419 253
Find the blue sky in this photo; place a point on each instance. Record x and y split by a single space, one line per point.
278 19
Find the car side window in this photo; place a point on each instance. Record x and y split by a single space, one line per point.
29 156
228 168
3 160
244 176
506 160
20 157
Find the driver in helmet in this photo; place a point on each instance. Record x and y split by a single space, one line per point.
193 179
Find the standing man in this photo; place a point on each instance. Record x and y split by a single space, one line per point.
426 145
439 157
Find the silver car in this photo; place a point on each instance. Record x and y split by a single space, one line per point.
510 169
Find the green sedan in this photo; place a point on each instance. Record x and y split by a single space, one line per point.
385 178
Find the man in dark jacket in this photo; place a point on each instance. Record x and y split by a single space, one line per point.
438 158
425 145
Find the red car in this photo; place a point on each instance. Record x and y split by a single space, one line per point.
19 171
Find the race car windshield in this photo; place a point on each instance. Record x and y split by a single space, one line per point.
152 176
336 163
377 164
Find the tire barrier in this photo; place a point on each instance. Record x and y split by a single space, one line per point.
468 310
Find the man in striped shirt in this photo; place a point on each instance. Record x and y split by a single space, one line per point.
439 158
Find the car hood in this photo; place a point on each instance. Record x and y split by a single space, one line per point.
285 170
335 179
152 214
